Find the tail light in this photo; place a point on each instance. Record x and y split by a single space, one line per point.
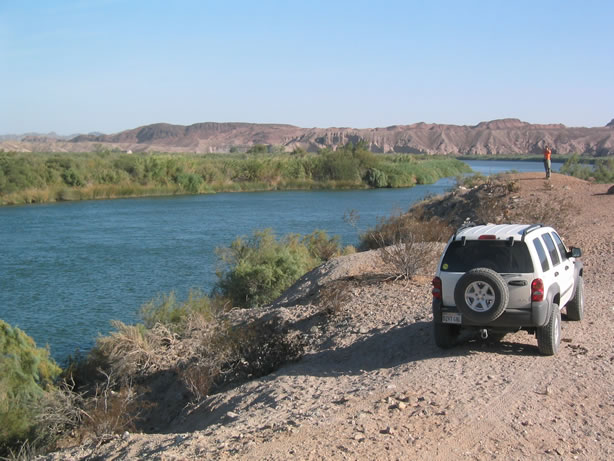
537 290
436 288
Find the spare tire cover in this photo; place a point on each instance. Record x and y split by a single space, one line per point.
481 295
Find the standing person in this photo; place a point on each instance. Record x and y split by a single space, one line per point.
547 163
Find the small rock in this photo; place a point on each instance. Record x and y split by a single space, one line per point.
387 430
401 405
359 437
126 435
232 414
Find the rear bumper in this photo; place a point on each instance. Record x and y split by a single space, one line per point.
536 316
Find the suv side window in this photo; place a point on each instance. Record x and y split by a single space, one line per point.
554 254
561 245
543 259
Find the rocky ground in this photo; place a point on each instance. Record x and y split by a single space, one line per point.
373 385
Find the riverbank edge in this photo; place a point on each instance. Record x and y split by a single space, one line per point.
110 191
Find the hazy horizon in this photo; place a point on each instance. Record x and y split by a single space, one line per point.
68 135
77 66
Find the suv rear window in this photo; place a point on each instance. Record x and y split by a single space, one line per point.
497 255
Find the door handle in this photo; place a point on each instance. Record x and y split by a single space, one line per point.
517 283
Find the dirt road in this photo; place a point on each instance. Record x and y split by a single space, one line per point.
373 385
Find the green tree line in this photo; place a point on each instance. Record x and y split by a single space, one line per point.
602 169
49 177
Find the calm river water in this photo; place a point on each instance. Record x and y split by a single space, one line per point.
67 269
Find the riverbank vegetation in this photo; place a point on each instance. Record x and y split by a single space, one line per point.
256 270
41 178
27 375
193 347
602 169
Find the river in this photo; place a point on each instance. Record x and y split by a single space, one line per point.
67 269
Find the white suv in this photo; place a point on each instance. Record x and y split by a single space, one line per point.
506 277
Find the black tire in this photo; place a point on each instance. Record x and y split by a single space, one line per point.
481 295
445 334
575 306
549 336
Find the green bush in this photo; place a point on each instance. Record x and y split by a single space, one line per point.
26 372
71 178
321 247
167 311
572 167
256 270
376 178
603 170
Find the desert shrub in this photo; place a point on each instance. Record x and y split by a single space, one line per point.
391 230
257 269
333 297
604 170
132 350
166 310
470 181
212 351
260 347
26 373
322 247
406 244
573 167
113 408
552 213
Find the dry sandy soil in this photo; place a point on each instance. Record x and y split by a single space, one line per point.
373 385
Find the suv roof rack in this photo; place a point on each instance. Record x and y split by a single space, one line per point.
530 229
464 226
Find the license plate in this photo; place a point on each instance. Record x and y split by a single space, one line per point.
451 317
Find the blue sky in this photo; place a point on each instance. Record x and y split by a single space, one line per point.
107 65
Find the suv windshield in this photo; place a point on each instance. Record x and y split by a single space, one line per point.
497 255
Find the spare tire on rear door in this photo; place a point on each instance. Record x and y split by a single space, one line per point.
481 295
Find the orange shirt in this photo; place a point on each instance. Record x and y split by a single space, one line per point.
547 154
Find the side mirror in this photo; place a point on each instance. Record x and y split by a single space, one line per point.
574 252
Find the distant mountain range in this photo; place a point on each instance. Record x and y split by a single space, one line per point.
506 136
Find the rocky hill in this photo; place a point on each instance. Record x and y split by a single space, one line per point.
373 385
506 136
